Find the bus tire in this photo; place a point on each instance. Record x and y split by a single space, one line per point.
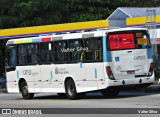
110 92
70 89
24 91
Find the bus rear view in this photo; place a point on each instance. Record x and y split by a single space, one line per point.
72 64
129 58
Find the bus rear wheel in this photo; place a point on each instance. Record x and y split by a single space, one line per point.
24 90
70 89
110 92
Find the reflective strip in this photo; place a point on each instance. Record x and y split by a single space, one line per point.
95 72
109 56
81 65
150 53
51 74
17 75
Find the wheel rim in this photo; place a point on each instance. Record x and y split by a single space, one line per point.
71 90
25 90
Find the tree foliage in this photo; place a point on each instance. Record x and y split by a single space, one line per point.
85 10
23 13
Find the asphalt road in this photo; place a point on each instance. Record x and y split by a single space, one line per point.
93 100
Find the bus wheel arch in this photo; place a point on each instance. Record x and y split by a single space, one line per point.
20 82
24 89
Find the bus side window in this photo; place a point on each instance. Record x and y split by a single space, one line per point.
94 49
98 51
11 56
75 54
33 53
60 52
46 52
22 54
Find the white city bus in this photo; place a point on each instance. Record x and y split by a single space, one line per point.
74 63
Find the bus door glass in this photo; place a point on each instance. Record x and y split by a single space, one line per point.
11 62
129 53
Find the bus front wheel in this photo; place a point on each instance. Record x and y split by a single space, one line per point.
24 91
70 89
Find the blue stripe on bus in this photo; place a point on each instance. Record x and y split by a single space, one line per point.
150 53
81 65
109 56
36 40
104 49
51 75
106 54
17 74
95 73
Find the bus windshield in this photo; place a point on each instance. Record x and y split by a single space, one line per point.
124 40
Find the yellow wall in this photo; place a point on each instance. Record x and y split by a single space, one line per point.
139 21
54 28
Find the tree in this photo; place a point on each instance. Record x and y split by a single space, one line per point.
23 13
86 10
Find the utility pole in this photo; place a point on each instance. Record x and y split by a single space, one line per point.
151 25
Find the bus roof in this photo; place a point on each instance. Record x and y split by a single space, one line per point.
69 35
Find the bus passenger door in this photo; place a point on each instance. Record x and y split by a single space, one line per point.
11 75
28 66
47 74
94 65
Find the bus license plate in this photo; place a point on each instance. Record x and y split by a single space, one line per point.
130 72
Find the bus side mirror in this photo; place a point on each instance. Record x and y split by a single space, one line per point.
10 68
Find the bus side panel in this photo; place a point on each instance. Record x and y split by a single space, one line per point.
32 76
152 78
12 87
50 84
12 81
75 71
84 86
95 73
